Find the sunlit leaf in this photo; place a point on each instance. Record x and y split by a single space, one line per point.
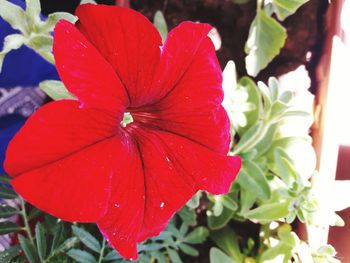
285 8
160 23
217 256
266 38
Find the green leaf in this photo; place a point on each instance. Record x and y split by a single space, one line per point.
174 256
33 10
227 240
56 90
58 236
266 38
11 42
7 255
112 255
269 212
217 222
88 2
285 8
8 227
249 139
160 23
193 203
247 200
188 250
81 256
254 98
253 179
28 249
7 193
188 216
217 256
53 18
14 15
41 42
40 241
87 239
228 202
5 179
197 236
7 211
159 256
265 144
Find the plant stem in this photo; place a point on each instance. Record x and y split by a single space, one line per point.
25 221
102 251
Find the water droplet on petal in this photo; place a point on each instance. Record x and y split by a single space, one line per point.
117 205
162 204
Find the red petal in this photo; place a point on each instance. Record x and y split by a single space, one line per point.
62 155
170 171
85 72
128 41
192 76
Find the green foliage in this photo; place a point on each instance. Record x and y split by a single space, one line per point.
160 23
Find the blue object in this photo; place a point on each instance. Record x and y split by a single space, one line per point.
21 68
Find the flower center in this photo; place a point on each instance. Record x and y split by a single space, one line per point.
127 119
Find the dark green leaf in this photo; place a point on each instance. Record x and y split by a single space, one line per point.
7 193
217 256
7 255
197 236
266 38
227 240
40 241
191 251
87 239
28 249
217 222
81 256
7 211
159 256
5 179
58 236
188 216
8 227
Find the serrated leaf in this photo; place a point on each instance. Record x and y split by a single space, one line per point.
174 256
266 38
14 15
197 236
253 179
269 212
7 255
8 227
40 241
7 211
28 249
285 8
227 240
87 239
55 90
217 222
81 256
191 251
160 23
217 256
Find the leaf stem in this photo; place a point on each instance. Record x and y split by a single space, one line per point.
26 222
102 251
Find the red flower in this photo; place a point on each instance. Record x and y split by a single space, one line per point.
74 159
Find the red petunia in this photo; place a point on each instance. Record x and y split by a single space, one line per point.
75 159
